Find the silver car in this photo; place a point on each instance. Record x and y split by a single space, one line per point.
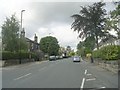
52 58
76 59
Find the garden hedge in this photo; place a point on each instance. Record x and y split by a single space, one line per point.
110 52
6 55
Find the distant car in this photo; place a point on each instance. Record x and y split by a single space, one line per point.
52 58
76 59
57 57
61 57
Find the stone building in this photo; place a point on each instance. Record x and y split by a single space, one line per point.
33 45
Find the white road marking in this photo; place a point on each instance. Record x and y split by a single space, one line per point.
86 71
102 87
89 74
42 68
91 79
23 76
82 85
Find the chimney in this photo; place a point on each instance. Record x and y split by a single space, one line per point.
35 38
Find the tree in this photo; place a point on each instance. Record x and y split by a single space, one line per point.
49 45
61 51
86 46
81 49
112 21
23 44
10 34
90 22
68 50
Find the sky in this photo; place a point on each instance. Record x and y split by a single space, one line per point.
48 17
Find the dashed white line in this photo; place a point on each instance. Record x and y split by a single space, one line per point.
86 71
82 85
42 68
102 87
90 79
89 74
23 76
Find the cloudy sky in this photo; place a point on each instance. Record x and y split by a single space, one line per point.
45 18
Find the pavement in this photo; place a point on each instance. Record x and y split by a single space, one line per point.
62 73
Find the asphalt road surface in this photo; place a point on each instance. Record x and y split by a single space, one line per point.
62 73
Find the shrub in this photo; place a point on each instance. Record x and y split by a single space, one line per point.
96 54
6 55
110 52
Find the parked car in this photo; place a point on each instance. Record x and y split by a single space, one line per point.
57 57
76 59
52 58
61 57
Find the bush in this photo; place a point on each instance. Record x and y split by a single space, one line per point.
96 54
110 52
6 55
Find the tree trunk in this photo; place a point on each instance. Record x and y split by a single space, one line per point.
97 43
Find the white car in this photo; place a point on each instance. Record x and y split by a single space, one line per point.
76 59
52 58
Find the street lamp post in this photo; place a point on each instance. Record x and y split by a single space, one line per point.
21 17
20 35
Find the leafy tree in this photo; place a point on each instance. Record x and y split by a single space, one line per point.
23 44
90 22
10 34
68 50
72 53
89 43
61 50
49 45
113 19
86 46
81 49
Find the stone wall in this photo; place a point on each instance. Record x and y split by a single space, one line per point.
14 62
108 65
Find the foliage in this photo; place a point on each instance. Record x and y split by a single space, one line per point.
90 21
72 53
97 54
10 34
86 46
113 20
49 45
7 55
23 45
111 52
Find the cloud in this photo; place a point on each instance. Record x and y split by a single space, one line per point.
43 18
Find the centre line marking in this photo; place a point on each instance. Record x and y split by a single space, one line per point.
89 74
86 71
82 85
103 87
23 76
91 79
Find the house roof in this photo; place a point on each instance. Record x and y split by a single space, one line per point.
29 40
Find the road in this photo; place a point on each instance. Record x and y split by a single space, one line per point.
58 74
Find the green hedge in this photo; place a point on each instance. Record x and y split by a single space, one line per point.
110 52
6 55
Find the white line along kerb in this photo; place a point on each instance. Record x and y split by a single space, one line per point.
86 71
23 76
